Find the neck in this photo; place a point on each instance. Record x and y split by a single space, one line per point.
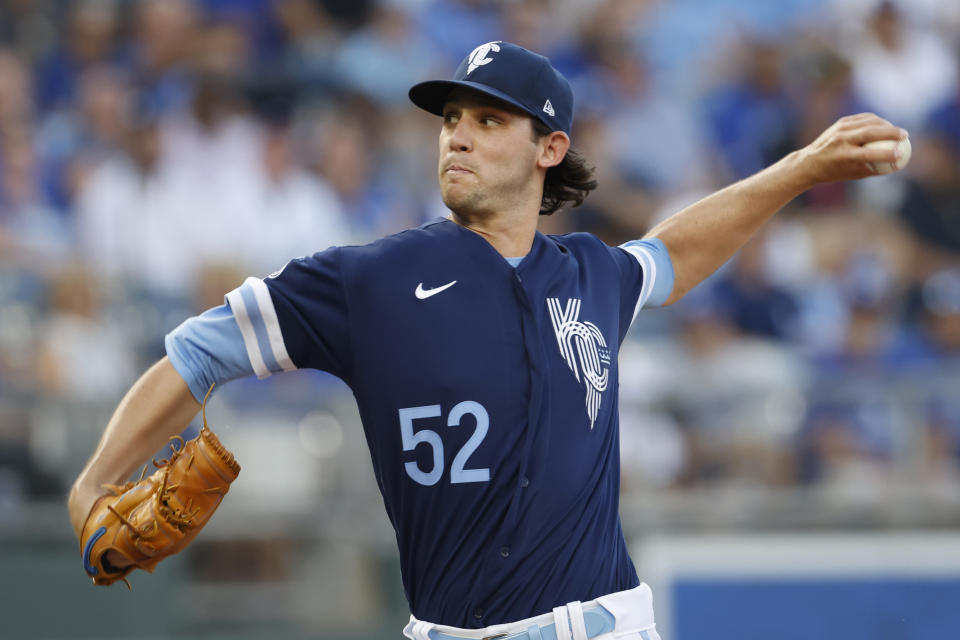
511 235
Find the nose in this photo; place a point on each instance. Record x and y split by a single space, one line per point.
461 138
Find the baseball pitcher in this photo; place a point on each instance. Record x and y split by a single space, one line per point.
483 357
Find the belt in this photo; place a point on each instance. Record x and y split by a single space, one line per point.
622 612
594 618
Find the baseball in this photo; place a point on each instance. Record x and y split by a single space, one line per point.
889 167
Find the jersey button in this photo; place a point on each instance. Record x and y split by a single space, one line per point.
505 552
478 613
524 481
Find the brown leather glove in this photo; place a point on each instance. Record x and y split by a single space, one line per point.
146 521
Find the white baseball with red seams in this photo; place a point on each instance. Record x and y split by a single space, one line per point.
902 145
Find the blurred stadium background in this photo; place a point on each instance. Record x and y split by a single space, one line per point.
791 430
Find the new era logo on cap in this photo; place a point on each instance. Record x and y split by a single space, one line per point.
511 73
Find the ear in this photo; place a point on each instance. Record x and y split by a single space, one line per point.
553 148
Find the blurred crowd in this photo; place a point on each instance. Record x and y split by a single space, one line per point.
153 153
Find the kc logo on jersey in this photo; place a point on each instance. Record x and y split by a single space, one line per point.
478 57
583 347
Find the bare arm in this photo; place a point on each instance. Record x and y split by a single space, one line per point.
706 234
159 405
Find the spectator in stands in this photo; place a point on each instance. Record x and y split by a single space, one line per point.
345 155
758 305
311 39
900 72
298 211
84 354
753 119
633 109
940 318
931 208
159 57
212 152
846 448
126 214
32 234
70 142
16 91
944 121
448 24
385 57
89 41
875 342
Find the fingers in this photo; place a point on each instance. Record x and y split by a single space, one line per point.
861 128
859 117
878 154
873 132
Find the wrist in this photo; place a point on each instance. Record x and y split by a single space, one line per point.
800 170
80 501
809 168
83 489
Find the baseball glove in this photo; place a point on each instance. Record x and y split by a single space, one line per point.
158 516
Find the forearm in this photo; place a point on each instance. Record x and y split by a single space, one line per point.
706 234
158 406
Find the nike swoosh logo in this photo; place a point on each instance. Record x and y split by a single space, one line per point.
423 294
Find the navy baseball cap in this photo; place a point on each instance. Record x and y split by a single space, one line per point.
511 73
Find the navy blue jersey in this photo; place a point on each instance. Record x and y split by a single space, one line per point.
488 396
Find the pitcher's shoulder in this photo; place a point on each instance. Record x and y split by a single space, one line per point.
400 249
581 244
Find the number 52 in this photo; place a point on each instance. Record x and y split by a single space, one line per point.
458 472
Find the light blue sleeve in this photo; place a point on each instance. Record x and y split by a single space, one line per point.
208 348
657 269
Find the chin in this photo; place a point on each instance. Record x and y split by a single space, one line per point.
459 201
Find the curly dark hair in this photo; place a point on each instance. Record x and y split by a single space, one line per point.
570 181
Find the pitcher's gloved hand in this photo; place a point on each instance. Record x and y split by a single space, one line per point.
143 522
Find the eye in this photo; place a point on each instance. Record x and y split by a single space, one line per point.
489 121
450 118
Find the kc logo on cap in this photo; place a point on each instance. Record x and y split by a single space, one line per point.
479 57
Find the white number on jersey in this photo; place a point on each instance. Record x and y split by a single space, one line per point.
458 472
